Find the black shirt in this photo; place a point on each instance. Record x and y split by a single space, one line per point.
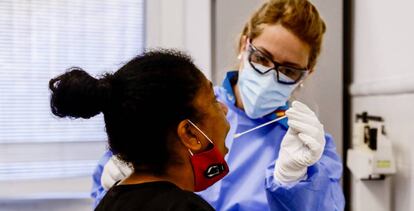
153 196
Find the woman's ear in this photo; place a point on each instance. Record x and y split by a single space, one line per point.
187 135
311 70
243 42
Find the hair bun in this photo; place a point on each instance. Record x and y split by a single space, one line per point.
78 94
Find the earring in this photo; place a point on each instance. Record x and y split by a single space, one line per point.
198 142
301 85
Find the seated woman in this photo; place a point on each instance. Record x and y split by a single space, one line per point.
162 118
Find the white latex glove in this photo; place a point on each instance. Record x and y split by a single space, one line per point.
302 145
113 171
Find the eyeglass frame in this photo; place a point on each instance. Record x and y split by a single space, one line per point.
304 71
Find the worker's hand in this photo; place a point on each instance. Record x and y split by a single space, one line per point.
113 171
302 145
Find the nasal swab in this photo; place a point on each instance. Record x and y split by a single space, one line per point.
262 125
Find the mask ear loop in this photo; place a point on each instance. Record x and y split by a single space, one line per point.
191 153
200 131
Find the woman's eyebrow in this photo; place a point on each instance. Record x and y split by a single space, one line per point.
285 63
265 52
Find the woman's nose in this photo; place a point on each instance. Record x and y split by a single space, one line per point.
224 108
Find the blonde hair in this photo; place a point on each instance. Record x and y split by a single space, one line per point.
298 16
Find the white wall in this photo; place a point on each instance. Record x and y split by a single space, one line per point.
62 194
57 194
383 81
49 205
184 25
230 17
323 90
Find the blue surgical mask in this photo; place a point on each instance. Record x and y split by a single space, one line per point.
261 94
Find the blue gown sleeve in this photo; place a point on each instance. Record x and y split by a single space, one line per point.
98 192
320 190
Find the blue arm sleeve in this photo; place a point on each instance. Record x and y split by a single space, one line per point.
320 191
98 192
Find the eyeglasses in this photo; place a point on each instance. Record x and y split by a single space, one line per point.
263 64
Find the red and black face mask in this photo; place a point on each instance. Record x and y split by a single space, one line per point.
208 166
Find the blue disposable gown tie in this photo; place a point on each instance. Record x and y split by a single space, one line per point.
250 184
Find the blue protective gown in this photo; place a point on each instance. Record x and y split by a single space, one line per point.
250 184
98 192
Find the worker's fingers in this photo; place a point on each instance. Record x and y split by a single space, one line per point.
302 107
293 114
314 146
301 127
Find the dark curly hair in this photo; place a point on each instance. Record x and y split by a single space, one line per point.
142 103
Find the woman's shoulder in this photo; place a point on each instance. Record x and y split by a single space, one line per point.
191 201
152 196
177 199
